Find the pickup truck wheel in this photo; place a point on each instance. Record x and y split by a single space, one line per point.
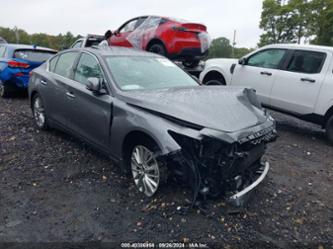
148 172
329 129
215 82
213 78
39 114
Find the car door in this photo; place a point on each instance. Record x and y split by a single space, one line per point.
54 86
90 113
121 35
259 70
297 86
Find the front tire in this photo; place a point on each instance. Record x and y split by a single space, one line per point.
329 129
147 171
215 82
214 78
39 114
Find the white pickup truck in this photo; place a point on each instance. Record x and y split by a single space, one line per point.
294 79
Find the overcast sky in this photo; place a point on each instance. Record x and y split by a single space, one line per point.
221 17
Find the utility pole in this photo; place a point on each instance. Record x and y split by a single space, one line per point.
233 44
17 35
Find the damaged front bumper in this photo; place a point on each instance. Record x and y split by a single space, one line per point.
238 199
217 164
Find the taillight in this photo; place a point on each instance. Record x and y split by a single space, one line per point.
17 64
179 28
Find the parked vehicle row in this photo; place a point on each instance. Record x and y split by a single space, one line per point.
155 120
16 62
89 41
290 78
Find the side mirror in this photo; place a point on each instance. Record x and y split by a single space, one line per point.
94 85
242 61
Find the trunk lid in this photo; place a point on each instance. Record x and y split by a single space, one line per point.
194 27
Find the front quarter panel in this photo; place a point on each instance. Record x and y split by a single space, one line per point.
128 119
220 65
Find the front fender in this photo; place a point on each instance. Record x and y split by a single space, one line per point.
127 119
220 65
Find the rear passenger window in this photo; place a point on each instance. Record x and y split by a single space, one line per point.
52 63
88 67
306 62
65 64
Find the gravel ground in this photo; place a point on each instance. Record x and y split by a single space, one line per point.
53 188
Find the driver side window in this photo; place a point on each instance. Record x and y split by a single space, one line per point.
270 58
129 27
78 44
88 67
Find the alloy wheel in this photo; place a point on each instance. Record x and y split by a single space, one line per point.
39 112
145 170
2 90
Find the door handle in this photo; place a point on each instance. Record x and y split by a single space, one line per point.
266 73
70 95
43 82
308 80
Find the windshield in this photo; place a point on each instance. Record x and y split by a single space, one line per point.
138 72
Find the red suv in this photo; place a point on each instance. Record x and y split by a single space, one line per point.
176 39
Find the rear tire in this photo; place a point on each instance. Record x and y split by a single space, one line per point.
157 49
329 129
4 91
191 63
38 112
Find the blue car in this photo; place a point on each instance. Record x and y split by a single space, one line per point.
16 62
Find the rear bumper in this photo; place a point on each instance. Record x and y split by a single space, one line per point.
15 78
242 196
189 53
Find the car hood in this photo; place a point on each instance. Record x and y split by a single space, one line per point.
227 109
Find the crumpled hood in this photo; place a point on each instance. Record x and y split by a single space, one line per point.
217 107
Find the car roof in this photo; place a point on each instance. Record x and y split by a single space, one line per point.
298 46
117 51
25 46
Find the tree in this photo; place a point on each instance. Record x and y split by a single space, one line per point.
58 42
220 47
240 52
280 21
322 22
291 21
